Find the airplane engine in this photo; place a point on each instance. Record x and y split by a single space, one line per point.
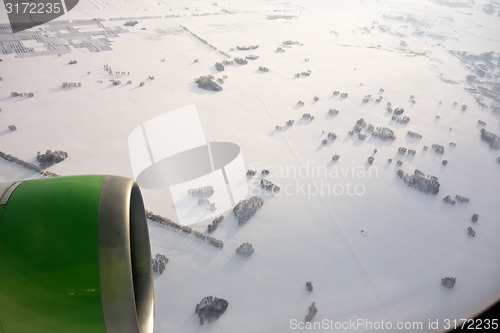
75 256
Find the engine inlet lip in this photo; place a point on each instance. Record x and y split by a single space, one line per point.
124 258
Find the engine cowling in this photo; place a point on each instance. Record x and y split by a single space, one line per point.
75 256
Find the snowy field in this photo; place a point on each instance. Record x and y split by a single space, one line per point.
374 249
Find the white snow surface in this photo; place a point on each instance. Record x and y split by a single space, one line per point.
312 229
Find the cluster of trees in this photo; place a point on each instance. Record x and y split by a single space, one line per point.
130 23
23 94
204 41
291 42
215 223
399 111
247 208
247 48
448 282
27 165
207 82
448 199
401 120
438 148
245 250
420 182
219 66
458 198
202 192
241 61
169 223
412 134
159 263
304 73
210 308
491 139
461 198
51 157
384 133
71 84
312 312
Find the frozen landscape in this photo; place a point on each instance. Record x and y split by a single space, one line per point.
334 99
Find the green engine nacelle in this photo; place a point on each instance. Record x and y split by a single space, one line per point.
74 256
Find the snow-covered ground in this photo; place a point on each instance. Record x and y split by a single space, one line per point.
312 229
